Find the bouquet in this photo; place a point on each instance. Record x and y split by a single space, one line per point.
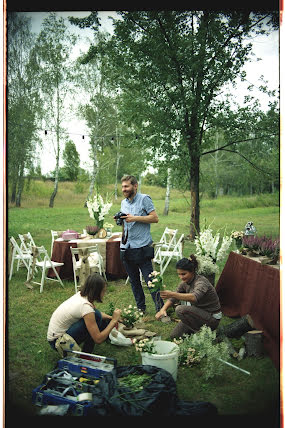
155 283
131 315
98 209
209 250
144 345
238 237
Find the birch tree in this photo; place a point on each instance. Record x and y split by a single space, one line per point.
55 72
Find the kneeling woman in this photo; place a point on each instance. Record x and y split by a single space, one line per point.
199 302
79 318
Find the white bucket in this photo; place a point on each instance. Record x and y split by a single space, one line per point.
166 357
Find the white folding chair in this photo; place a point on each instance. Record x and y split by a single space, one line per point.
95 261
27 242
19 255
45 263
54 235
167 241
164 257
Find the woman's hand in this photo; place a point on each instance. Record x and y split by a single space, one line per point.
116 315
161 313
166 294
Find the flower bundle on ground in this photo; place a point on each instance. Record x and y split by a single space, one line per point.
131 315
155 283
97 209
144 345
201 348
209 250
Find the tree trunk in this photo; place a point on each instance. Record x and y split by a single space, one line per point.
94 170
167 195
14 190
53 195
195 200
117 165
20 186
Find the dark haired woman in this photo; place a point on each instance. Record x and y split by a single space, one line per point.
199 302
78 317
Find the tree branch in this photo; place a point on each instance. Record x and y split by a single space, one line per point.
237 142
252 164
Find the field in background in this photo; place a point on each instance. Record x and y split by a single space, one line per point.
28 353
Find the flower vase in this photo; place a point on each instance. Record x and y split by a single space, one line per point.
211 278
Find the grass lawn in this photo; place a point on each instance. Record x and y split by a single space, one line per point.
29 357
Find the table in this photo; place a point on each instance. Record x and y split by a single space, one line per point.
108 247
249 287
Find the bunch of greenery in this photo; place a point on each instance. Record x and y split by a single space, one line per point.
130 315
145 345
201 348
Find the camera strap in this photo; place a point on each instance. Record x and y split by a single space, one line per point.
125 238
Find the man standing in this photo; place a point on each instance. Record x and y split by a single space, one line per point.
136 250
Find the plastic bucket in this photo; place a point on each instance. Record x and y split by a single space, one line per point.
166 357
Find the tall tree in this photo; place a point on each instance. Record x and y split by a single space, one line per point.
23 103
171 67
71 160
55 72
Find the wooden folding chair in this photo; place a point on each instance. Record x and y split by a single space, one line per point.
45 263
95 260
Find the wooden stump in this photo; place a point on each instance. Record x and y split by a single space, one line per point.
254 343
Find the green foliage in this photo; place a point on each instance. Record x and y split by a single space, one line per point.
201 348
30 357
71 160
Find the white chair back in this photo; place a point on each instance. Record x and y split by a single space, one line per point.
95 260
43 261
19 255
164 257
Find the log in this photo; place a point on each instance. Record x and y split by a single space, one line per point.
231 349
254 343
241 353
237 328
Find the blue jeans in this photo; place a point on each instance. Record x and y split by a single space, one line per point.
80 333
133 271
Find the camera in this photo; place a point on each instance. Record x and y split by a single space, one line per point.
117 217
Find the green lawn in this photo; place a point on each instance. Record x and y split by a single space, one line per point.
29 356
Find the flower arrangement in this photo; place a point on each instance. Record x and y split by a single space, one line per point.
201 348
209 250
108 226
155 284
144 345
238 236
98 209
261 246
131 315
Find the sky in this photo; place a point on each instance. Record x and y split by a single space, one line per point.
265 47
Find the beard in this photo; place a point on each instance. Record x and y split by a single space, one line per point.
129 193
